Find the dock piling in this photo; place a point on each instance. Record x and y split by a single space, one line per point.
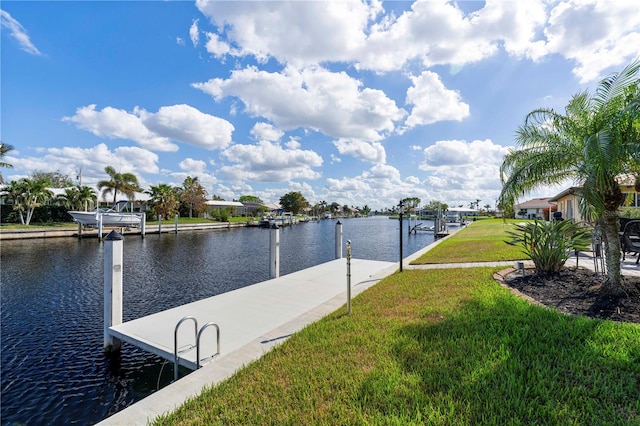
338 240
274 252
112 288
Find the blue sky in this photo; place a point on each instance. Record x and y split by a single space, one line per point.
358 103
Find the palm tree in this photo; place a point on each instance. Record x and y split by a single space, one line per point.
594 142
4 149
164 199
26 195
126 183
77 197
86 195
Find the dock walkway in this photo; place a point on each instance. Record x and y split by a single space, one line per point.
252 320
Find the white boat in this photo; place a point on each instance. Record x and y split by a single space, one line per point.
115 216
286 219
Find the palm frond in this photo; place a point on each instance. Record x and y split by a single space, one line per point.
615 85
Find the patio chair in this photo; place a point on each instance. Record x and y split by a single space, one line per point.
630 239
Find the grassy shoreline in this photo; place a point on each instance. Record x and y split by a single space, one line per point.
444 346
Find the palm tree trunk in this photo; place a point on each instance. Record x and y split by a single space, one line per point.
611 226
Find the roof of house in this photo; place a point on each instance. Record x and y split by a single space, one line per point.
568 191
273 206
535 203
220 203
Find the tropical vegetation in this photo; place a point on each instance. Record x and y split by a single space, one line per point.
549 244
163 200
4 150
26 195
78 198
125 183
595 141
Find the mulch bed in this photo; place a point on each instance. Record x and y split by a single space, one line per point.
578 292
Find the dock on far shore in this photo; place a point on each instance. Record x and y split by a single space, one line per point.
153 228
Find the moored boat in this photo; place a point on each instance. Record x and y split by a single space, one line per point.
115 216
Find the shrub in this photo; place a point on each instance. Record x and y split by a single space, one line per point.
630 213
549 244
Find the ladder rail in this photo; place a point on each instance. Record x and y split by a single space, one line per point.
176 359
202 329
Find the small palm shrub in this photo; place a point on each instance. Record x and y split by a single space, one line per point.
549 244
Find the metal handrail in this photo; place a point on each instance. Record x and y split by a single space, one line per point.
175 342
207 325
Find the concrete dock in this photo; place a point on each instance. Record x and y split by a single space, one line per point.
252 320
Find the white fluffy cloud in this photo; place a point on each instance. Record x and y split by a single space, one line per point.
269 162
313 98
433 102
216 46
186 124
155 131
381 185
195 167
93 160
120 124
367 151
445 154
266 132
300 33
459 170
596 34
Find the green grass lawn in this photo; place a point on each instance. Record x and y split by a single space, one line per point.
480 241
446 347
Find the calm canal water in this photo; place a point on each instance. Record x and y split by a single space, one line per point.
54 370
